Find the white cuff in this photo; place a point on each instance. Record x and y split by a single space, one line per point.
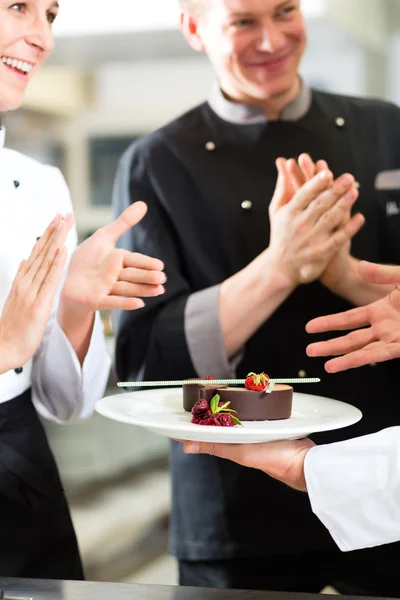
354 489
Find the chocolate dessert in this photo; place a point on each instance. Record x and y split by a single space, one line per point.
192 392
257 405
251 403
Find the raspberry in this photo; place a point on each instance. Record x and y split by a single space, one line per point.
200 408
225 420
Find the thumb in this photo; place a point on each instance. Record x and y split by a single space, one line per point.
128 219
284 188
382 274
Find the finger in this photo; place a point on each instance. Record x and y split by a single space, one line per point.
307 166
356 223
296 174
69 220
142 276
141 261
128 219
344 344
53 278
337 215
132 290
339 238
381 274
119 303
247 455
374 353
43 241
311 190
351 319
321 165
284 190
42 265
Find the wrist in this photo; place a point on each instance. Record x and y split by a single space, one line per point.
339 281
280 277
9 358
74 318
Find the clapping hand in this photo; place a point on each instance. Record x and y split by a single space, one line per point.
310 218
29 303
101 276
342 265
378 339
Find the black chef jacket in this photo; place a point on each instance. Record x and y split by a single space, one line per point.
197 225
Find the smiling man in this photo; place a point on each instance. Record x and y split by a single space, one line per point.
248 266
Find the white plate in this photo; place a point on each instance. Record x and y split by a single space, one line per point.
161 411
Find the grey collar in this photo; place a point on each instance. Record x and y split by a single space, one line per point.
245 114
2 136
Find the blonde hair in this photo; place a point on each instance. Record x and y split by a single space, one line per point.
195 7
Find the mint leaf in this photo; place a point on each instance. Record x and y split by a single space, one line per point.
214 403
236 421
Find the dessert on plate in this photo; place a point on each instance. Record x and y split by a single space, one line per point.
253 402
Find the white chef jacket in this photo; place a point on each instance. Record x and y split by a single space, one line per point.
354 489
31 194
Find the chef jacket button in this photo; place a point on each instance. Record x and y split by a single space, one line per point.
16 184
302 373
340 122
247 205
210 146
19 370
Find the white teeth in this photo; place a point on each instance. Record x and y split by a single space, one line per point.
17 64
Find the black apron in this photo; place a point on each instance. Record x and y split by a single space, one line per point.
37 538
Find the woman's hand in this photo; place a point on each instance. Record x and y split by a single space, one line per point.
29 303
101 276
378 339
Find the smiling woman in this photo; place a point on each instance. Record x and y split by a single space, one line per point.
26 41
52 351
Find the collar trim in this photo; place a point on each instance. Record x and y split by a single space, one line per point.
245 114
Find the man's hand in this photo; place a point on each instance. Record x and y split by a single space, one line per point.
281 460
101 276
342 268
379 338
308 219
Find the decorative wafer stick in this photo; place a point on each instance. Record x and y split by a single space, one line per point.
213 382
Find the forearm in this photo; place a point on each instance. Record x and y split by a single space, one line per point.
355 289
249 298
77 325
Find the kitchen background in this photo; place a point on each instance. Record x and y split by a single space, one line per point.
120 70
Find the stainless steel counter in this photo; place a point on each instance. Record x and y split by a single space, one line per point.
19 589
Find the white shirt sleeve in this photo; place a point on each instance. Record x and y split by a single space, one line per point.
354 489
62 389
